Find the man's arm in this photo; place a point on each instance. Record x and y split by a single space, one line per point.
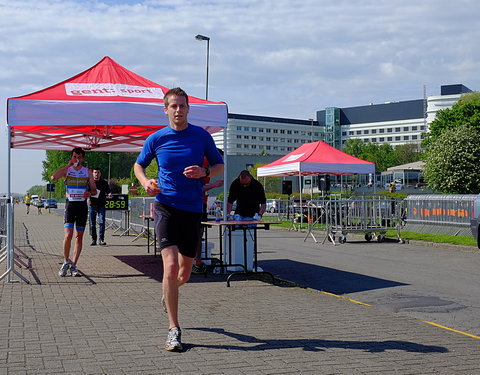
92 184
212 185
263 207
62 172
150 185
196 171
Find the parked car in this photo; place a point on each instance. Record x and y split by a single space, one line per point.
50 203
475 220
38 202
275 205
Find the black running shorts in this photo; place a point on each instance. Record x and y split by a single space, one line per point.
175 227
76 213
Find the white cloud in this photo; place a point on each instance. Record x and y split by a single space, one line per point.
267 57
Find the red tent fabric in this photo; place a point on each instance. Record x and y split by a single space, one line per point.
316 158
105 108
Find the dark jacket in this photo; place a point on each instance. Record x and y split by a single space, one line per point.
102 185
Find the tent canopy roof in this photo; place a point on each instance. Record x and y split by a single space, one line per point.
105 108
316 158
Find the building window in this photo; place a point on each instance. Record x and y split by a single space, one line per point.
381 130
254 146
239 128
268 147
406 138
260 130
246 128
366 131
246 137
289 132
359 132
344 134
239 136
389 139
414 136
374 131
351 132
254 129
282 131
295 141
365 140
406 128
389 130
374 139
422 127
381 139
268 130
397 130
414 128
275 131
397 138
268 139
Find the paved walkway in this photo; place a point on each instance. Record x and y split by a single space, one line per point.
110 321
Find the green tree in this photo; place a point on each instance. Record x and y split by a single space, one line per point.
270 184
465 112
407 153
382 155
452 163
354 147
120 165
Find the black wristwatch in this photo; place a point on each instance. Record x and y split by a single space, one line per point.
207 172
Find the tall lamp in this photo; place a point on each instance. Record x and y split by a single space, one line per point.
203 37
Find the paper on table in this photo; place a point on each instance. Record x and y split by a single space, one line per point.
96 195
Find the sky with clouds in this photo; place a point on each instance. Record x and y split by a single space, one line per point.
279 58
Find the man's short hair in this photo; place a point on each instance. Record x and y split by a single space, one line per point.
245 174
96 169
78 150
175 91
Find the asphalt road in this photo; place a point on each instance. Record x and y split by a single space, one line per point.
435 284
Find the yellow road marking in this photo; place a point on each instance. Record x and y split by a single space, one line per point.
451 329
424 321
347 299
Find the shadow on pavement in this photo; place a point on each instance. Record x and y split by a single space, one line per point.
324 278
318 345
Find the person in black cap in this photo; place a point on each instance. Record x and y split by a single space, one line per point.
249 195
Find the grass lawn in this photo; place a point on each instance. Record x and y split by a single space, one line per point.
429 237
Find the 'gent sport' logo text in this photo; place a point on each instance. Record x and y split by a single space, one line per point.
112 89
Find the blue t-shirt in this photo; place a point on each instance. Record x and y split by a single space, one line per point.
174 151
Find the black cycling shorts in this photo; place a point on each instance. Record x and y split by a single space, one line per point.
76 213
175 227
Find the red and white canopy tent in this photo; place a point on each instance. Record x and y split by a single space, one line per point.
105 108
316 158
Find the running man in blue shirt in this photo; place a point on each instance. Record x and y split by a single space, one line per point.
179 150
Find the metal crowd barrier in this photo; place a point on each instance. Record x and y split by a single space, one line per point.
439 213
131 221
9 252
373 216
3 222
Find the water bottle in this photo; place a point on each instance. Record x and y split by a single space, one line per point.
218 213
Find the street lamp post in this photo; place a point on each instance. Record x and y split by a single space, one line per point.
109 155
203 37
311 129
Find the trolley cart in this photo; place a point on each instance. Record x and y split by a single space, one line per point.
373 216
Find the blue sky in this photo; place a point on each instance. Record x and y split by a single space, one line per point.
275 57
